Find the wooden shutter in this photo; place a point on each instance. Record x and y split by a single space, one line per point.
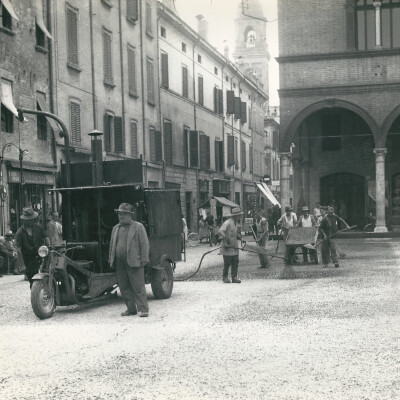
243 112
118 135
152 144
132 9
107 132
75 122
236 146
159 156
164 71
250 122
216 154
168 141
134 140
208 161
251 158
243 155
194 149
107 57
200 89
203 151
237 107
185 86
72 36
186 131
230 102
132 70
220 102
150 81
149 25
215 100
231 151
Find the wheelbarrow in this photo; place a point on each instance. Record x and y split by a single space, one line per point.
299 238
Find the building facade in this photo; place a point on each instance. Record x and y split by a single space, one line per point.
339 100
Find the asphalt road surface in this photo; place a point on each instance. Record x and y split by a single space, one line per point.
329 334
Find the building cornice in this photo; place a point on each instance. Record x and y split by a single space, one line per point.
342 89
338 56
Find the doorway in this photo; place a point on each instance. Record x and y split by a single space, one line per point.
349 188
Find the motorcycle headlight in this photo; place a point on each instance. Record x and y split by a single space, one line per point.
43 251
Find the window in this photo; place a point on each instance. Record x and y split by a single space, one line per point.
200 90
72 37
185 82
243 155
219 155
40 37
132 71
168 141
150 81
134 140
186 130
6 21
108 130
366 24
184 47
41 123
132 10
215 70
231 151
227 79
75 119
194 148
251 158
8 109
199 58
118 135
149 24
218 101
251 39
155 145
163 32
230 101
331 132
164 71
7 119
204 151
107 58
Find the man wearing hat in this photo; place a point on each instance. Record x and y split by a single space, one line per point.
229 249
306 220
29 237
129 254
286 222
328 247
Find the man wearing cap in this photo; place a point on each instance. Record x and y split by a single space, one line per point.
286 222
129 254
306 220
29 237
229 233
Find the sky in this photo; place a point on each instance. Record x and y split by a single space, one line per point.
221 16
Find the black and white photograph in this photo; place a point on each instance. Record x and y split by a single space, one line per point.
200 200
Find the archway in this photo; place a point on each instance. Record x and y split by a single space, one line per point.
348 189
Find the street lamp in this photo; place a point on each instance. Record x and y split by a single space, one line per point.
3 190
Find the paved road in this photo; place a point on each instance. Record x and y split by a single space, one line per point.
330 334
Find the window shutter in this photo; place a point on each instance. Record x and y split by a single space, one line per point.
243 155
200 89
221 157
236 153
237 107
194 149
251 159
72 36
132 71
208 161
243 112
107 58
75 122
132 9
220 102
118 135
250 122
216 153
216 100
158 146
164 71
186 131
350 26
203 151
185 86
152 144
168 141
230 102
150 81
107 132
149 25
231 151
134 140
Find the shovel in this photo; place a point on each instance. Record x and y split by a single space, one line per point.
314 246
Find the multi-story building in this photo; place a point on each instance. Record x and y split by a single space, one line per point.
340 107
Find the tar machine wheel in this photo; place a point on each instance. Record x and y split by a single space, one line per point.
162 281
43 301
193 239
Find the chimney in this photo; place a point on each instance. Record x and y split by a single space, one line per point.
202 26
226 52
169 4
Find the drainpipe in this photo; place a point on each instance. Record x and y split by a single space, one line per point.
240 144
121 55
233 135
223 117
94 111
143 100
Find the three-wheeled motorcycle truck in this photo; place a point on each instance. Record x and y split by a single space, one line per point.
79 271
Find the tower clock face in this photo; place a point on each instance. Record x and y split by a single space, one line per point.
251 38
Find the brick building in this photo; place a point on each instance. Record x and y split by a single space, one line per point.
340 106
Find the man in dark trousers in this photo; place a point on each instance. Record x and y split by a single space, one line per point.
129 254
29 237
328 247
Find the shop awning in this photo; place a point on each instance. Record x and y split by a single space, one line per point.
7 97
222 200
39 18
43 107
9 8
265 190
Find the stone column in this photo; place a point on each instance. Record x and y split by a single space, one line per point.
286 159
378 34
306 183
380 154
298 191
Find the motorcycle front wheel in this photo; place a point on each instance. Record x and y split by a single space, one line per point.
43 301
